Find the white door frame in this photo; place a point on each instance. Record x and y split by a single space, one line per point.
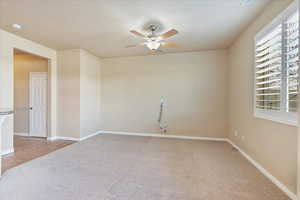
9 42
51 56
31 74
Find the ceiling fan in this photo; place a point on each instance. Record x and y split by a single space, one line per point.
153 41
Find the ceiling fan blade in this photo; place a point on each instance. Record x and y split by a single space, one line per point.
135 45
168 34
170 45
137 34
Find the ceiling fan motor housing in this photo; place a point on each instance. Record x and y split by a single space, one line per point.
153 27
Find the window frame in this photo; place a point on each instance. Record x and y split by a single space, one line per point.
282 116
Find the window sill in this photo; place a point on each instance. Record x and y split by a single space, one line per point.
277 116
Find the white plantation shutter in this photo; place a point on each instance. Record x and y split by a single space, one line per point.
277 68
268 61
292 52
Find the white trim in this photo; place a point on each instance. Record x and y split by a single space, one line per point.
289 118
138 134
274 180
51 138
8 151
269 27
21 134
91 135
63 138
164 136
74 139
281 116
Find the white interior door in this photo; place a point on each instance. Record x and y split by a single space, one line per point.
38 104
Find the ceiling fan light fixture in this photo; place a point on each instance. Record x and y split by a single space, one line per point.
153 45
153 41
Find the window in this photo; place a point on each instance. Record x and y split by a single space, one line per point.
276 68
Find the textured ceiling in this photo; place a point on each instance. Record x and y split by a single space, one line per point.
102 26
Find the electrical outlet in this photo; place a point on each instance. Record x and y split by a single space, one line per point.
236 133
243 137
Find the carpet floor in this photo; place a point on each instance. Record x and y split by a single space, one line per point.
112 167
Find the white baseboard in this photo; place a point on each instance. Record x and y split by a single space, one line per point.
8 151
165 136
21 134
74 139
91 135
51 138
63 138
265 172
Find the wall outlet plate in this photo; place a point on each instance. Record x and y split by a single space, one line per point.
236 133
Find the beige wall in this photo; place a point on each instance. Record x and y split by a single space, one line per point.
89 93
69 93
79 93
23 65
194 86
271 144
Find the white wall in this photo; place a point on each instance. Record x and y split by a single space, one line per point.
194 86
271 144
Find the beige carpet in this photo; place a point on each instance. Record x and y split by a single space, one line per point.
111 167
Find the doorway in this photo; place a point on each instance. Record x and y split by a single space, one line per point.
30 95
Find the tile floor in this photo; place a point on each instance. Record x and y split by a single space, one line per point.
29 148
